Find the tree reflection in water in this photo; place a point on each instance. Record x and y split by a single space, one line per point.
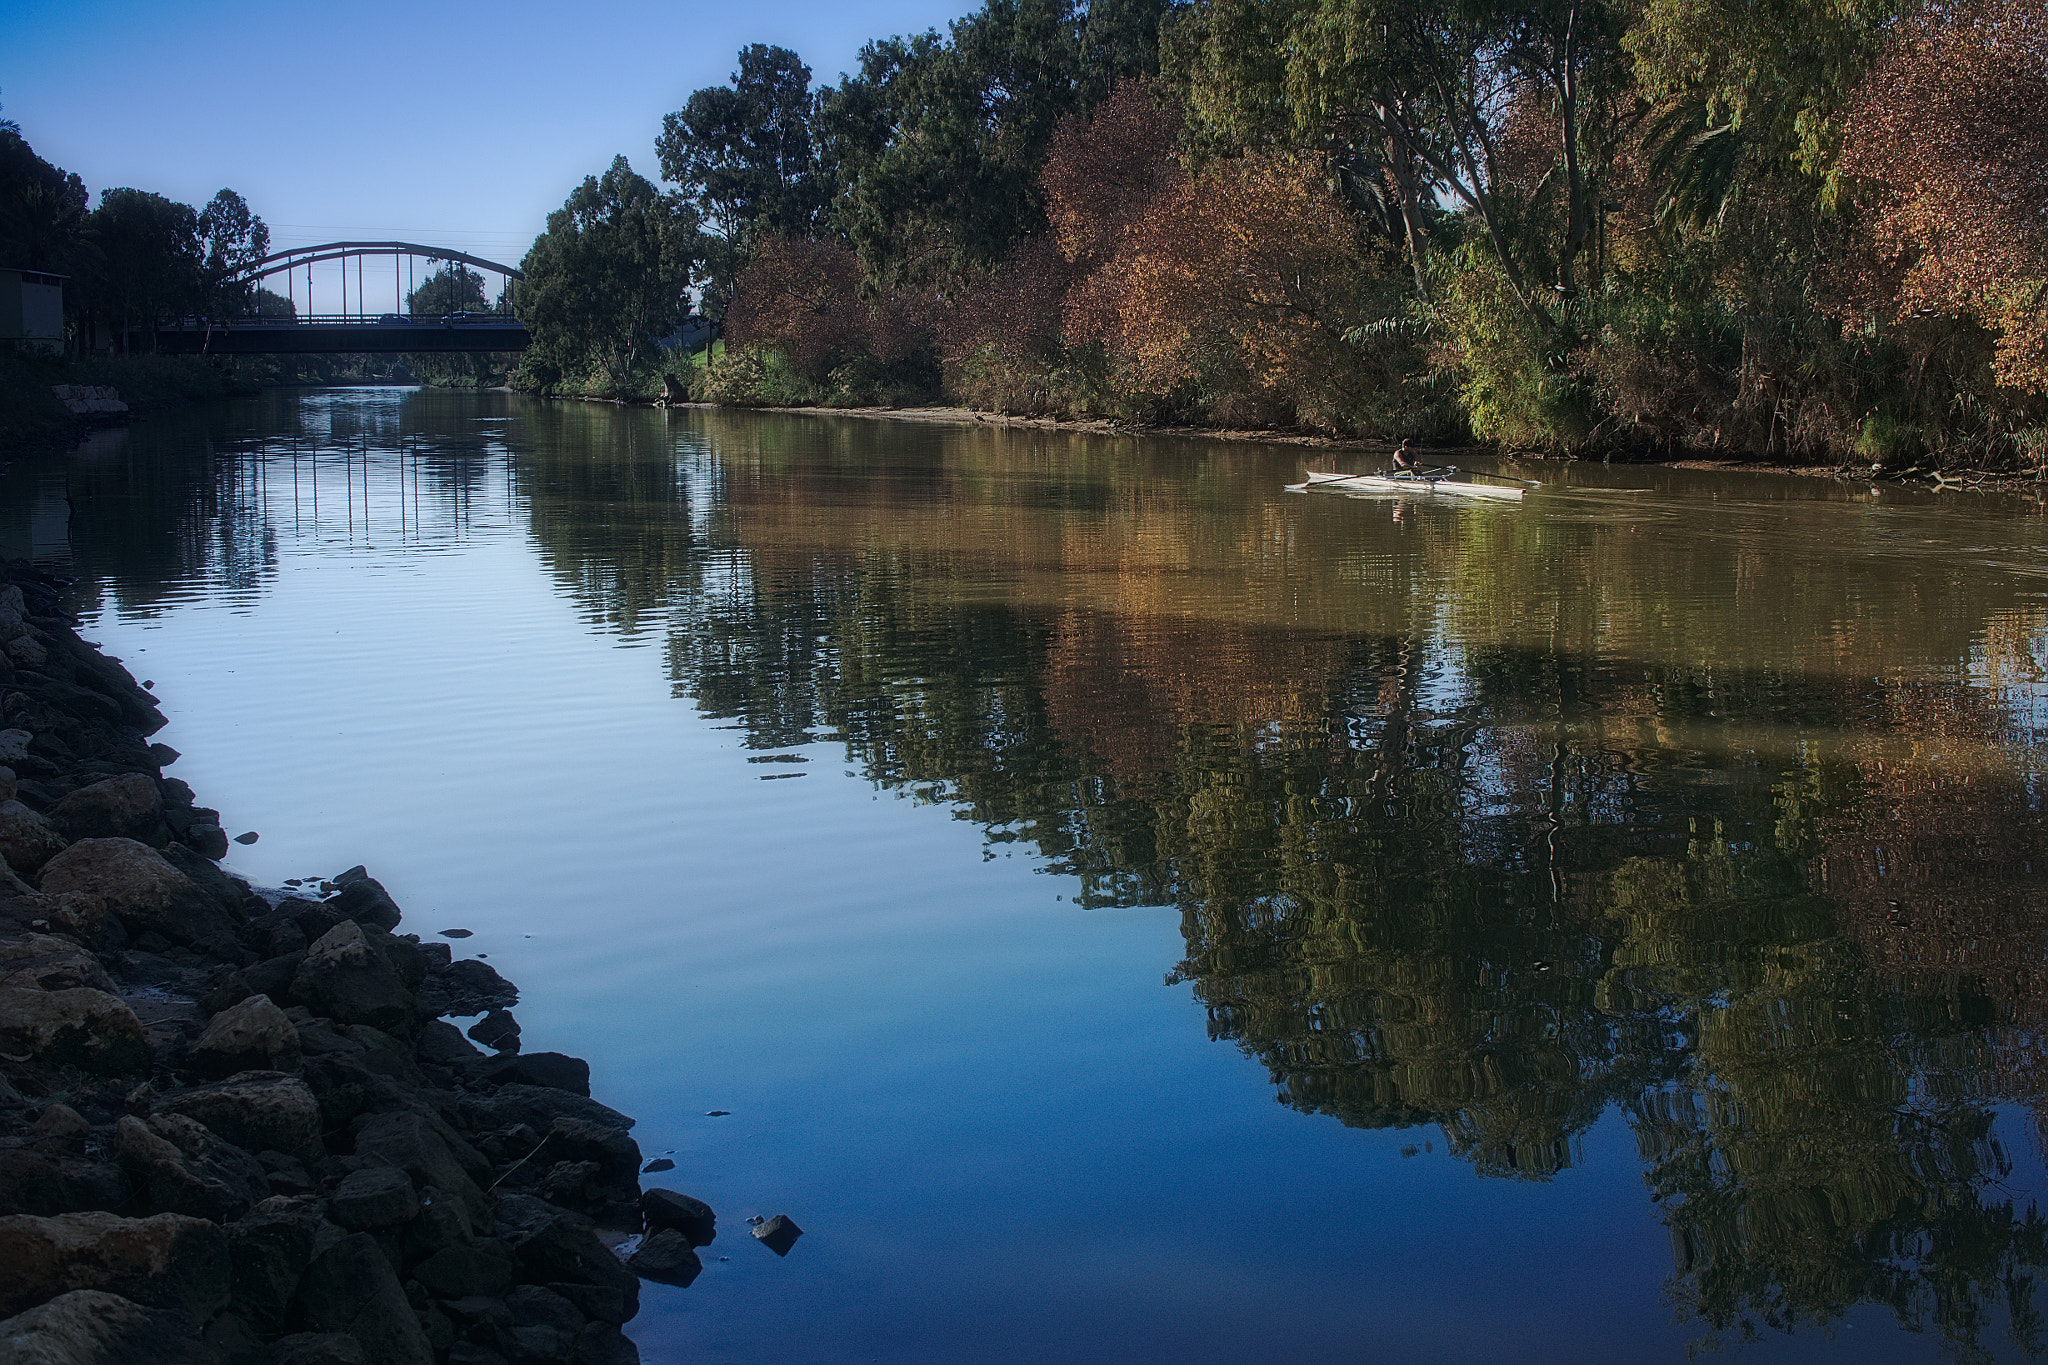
1483 821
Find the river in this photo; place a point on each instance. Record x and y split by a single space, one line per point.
1123 911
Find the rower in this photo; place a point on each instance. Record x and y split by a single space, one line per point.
1407 459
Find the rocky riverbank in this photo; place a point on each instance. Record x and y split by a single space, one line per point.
236 1126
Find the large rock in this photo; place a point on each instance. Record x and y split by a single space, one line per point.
124 807
554 1246
256 1111
80 1027
344 978
91 1327
251 1035
374 1198
179 1166
691 1217
27 840
350 1288
485 1267
609 1189
168 1261
536 1106
270 1252
46 962
365 901
414 1145
666 1257
555 1070
464 988
139 887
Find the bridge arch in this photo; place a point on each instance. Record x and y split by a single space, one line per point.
279 262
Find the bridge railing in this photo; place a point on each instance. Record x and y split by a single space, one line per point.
346 320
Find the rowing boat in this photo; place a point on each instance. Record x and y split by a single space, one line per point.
1445 484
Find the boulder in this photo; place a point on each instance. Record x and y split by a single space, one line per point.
169 1261
562 1246
318 1348
552 1069
92 1327
366 902
537 1107
499 1032
484 1267
253 1034
46 962
411 1143
464 988
601 1343
256 1111
544 1324
668 1258
27 840
124 807
79 1027
691 1217
344 978
778 1234
610 1189
440 1043
178 1166
139 887
269 1252
350 1288
374 1198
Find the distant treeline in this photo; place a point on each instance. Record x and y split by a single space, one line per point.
1810 232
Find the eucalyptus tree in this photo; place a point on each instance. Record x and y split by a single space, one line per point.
742 154
232 239
611 274
936 144
149 258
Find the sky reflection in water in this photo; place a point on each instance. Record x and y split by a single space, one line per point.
1632 898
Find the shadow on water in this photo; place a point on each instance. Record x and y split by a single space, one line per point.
1712 803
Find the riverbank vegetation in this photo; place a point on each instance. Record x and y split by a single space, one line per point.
1637 227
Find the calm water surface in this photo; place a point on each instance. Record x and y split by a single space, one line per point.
1134 913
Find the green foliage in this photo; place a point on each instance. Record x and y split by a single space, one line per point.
609 276
744 157
937 143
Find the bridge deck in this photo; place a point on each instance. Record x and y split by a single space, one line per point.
346 336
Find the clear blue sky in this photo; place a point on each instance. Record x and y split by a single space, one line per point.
459 125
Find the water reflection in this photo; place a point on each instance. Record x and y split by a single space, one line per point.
1716 802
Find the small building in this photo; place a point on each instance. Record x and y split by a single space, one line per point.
31 310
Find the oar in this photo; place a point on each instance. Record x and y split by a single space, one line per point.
1506 478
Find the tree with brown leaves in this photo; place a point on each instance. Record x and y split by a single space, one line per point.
1950 134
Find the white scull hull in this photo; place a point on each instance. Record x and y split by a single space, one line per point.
1390 483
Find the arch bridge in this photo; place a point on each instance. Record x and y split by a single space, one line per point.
367 327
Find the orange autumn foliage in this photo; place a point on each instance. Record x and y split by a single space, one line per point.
1950 134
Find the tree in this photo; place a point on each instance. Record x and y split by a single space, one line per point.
42 209
150 258
454 288
937 144
1950 135
742 154
611 273
233 239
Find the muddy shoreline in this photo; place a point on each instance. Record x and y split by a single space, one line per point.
236 1124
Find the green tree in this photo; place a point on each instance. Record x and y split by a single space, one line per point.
454 288
611 273
233 239
937 144
742 154
150 258
42 209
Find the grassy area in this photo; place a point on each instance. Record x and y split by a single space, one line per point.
30 415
